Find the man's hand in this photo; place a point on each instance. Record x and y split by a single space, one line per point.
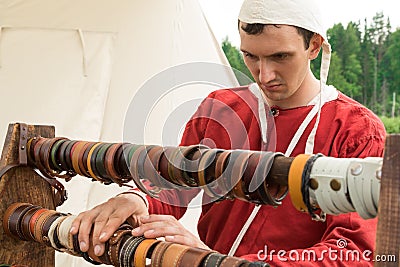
170 228
104 219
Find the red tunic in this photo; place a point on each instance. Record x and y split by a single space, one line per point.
228 119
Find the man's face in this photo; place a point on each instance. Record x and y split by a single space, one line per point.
279 62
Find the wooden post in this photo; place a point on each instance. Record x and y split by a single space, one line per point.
388 231
22 184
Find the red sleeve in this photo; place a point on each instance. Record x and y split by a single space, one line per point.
367 146
349 240
363 133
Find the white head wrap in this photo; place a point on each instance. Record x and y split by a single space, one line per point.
301 13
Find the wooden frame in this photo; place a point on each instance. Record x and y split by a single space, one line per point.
22 184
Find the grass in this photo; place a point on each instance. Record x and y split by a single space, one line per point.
392 125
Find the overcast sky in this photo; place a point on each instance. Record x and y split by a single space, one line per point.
222 14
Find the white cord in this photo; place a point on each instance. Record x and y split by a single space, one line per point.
244 230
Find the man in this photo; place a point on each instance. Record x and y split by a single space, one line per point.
279 38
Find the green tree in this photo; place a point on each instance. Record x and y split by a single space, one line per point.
380 32
368 63
336 73
235 59
347 67
350 61
391 61
335 38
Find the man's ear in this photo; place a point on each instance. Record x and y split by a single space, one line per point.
315 46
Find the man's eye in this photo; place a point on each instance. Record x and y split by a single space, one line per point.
248 55
281 56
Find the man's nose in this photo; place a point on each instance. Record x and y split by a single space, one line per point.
267 72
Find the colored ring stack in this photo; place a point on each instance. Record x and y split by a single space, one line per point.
222 174
33 223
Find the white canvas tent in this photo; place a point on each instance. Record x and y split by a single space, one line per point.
76 64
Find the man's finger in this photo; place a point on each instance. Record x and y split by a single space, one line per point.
156 218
